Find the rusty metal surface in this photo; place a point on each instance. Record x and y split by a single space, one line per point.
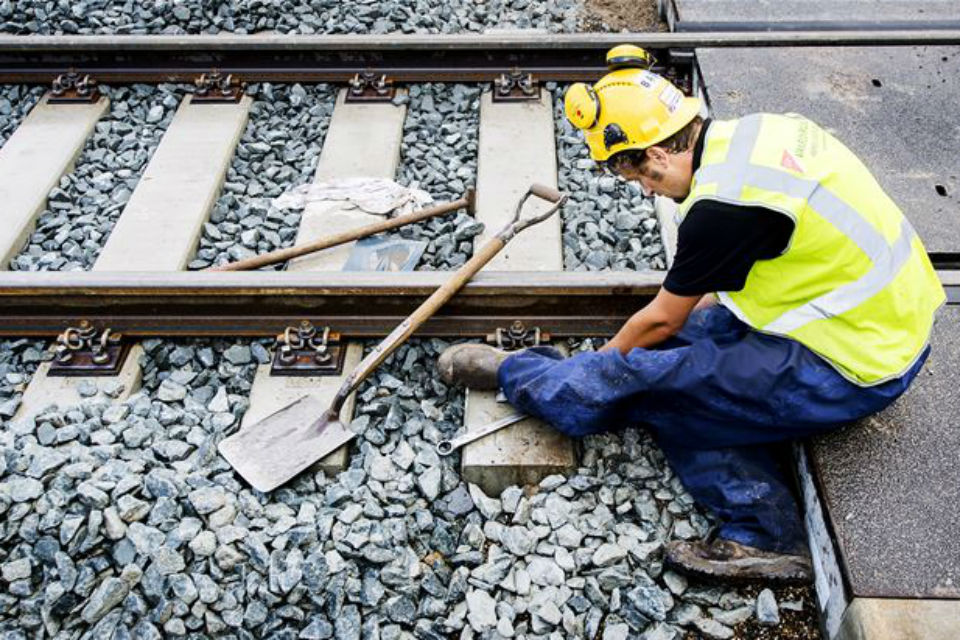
352 304
370 86
475 42
402 58
411 58
217 88
303 350
72 87
517 336
356 304
516 86
86 350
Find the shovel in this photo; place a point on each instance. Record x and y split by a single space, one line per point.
272 451
326 242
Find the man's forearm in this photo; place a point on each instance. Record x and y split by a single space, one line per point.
653 324
708 300
642 330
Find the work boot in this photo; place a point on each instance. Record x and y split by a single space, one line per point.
729 561
471 365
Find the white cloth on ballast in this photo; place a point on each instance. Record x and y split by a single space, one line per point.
380 196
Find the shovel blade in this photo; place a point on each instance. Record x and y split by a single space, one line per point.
272 451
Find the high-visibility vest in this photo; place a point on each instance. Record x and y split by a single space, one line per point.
855 284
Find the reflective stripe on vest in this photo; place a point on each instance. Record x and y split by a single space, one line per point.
735 172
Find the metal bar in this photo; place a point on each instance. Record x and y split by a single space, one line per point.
281 255
403 58
477 42
353 304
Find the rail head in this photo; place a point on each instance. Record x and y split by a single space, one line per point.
264 303
531 40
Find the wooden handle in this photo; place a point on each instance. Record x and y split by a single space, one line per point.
547 193
280 255
422 313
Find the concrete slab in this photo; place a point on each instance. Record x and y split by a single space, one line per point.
516 148
158 228
45 390
32 161
362 140
889 619
895 107
524 453
177 191
890 484
270 393
746 15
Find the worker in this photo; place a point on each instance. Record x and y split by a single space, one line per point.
800 300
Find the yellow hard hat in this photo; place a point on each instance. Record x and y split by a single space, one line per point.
629 108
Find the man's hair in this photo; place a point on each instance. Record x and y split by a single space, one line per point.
679 142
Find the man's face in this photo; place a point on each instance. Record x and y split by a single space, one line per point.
662 173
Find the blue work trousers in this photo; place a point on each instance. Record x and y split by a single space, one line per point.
719 399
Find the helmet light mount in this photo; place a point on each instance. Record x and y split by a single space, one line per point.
613 135
629 56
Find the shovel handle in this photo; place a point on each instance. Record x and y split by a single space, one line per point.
413 322
440 297
546 193
281 255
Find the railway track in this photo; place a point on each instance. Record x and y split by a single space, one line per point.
161 223
345 59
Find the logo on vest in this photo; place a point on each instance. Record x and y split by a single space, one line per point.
789 161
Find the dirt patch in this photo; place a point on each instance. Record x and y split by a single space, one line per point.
794 625
633 15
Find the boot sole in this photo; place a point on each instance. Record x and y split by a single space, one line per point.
746 574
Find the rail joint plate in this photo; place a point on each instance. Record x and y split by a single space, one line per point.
217 88
304 351
73 88
370 86
85 351
516 86
518 336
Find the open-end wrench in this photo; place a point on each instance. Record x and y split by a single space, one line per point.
446 447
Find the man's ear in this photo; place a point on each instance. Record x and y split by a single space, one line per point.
658 157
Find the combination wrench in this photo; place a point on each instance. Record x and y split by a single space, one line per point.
446 447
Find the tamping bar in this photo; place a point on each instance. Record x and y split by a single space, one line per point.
281 255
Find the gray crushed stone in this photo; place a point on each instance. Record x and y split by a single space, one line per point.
284 16
82 210
16 100
134 526
18 361
439 155
608 224
278 150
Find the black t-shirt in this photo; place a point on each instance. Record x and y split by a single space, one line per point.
717 243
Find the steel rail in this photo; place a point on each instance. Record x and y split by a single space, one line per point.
518 40
405 58
358 304
263 303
